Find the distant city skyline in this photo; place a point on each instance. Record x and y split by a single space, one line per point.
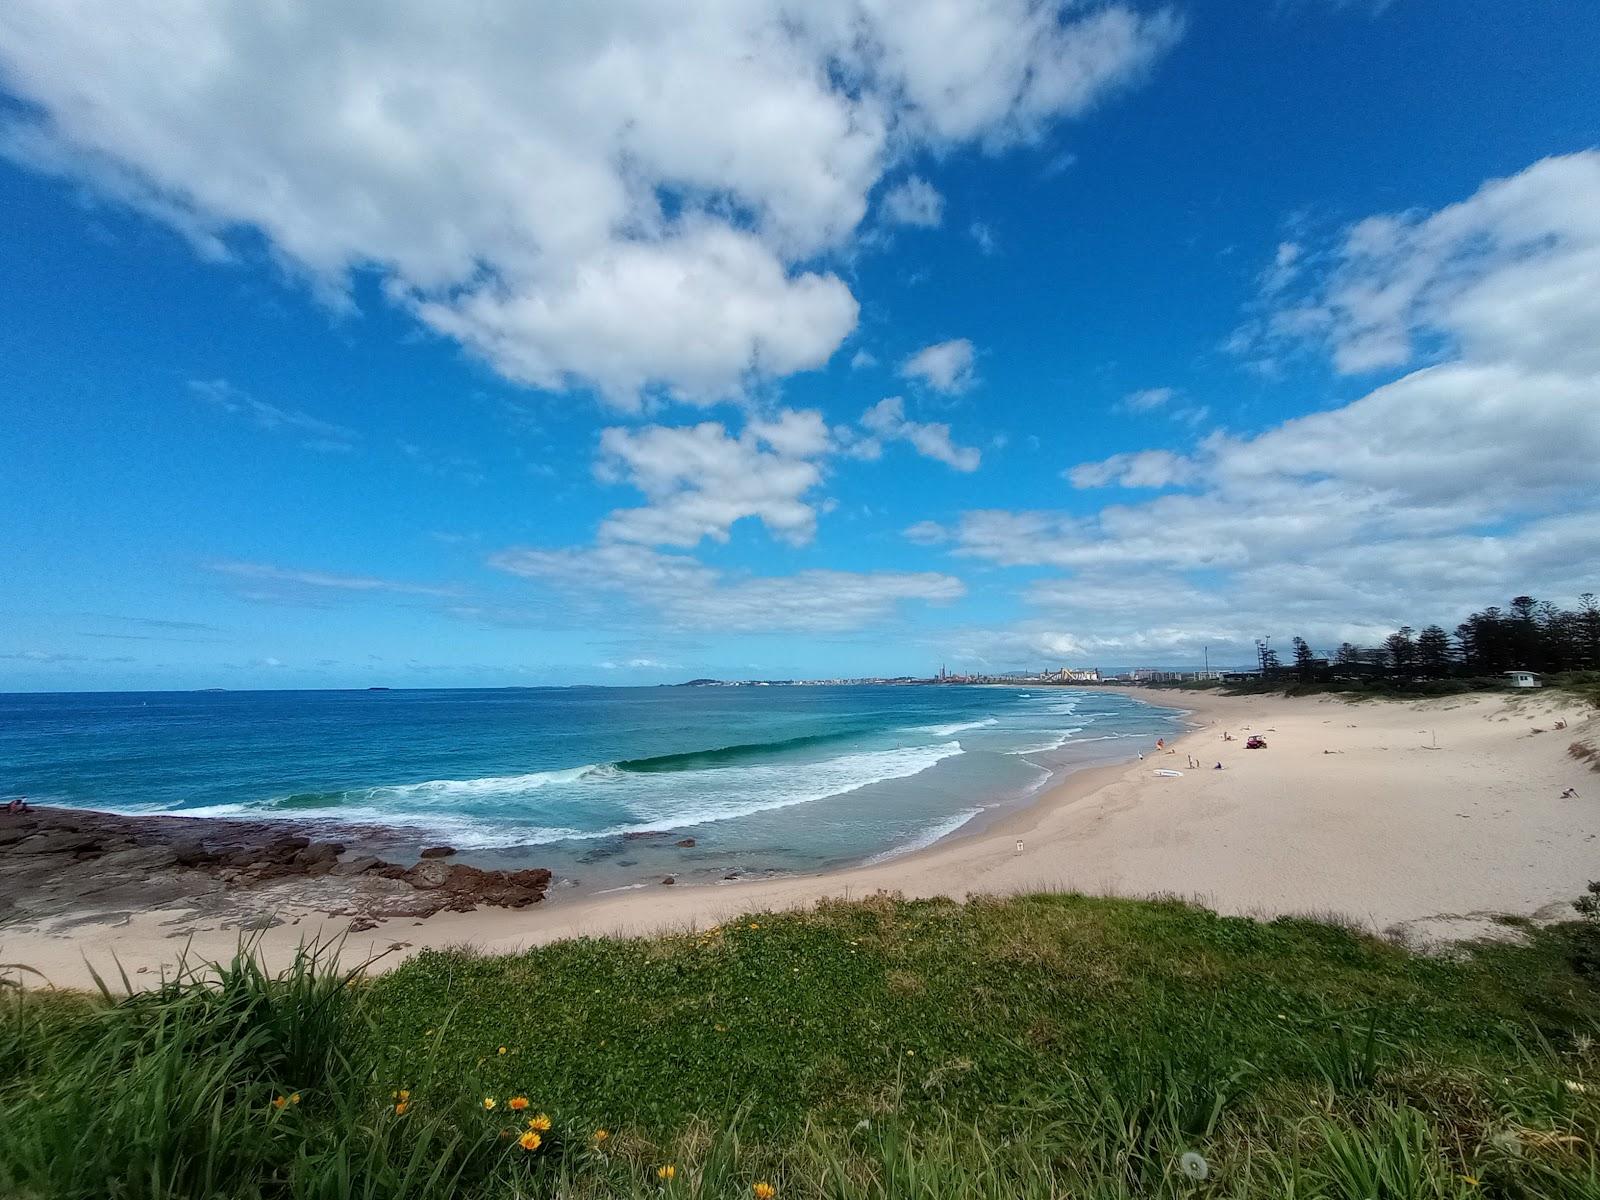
630 344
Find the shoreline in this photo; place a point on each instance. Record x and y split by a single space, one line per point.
1348 812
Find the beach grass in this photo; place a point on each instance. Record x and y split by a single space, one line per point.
1047 1045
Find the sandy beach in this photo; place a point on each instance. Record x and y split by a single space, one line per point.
1417 819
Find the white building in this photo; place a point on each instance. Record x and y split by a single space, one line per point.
1523 679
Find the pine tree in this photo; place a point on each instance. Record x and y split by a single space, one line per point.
1302 659
1433 652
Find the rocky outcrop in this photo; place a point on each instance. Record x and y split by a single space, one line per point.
54 861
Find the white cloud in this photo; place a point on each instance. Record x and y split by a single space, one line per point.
284 582
1146 400
862 359
1165 401
627 195
699 480
913 202
983 235
943 366
688 594
314 434
1509 275
1141 469
887 420
1455 486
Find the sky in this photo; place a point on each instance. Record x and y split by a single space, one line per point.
355 345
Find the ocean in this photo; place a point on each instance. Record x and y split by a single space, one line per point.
599 784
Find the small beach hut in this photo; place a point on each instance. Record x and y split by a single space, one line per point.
1522 679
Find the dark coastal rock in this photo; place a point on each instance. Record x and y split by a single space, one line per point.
139 858
58 841
362 924
640 835
462 888
65 864
669 880
438 852
318 852
429 874
684 842
193 853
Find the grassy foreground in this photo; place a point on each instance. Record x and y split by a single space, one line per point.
1049 1046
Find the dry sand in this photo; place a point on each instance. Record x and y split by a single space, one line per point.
1420 819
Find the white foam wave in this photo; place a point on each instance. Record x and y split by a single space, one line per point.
927 837
648 803
489 785
1066 736
959 727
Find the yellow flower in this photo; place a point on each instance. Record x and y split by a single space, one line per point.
540 1122
400 1107
600 1135
753 925
402 1094
1470 1180
278 1102
666 1172
763 1191
295 1099
488 1102
517 1103
530 1140
502 1049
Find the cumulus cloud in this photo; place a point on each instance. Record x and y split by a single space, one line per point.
1141 469
913 202
887 420
626 196
943 366
1510 275
684 593
1457 485
699 480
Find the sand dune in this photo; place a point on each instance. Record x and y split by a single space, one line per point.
1416 818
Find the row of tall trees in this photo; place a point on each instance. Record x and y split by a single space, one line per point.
1530 635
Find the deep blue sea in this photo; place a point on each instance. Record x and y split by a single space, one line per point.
764 779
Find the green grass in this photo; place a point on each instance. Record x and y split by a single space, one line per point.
1049 1045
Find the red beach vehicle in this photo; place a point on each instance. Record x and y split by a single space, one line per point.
1255 742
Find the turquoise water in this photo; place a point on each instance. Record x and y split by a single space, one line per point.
588 781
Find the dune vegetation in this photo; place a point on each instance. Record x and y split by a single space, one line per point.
1047 1045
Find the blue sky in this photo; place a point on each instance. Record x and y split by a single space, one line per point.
639 343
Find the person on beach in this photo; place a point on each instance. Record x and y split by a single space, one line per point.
18 805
